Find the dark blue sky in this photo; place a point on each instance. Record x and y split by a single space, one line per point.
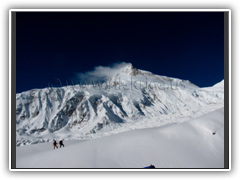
185 45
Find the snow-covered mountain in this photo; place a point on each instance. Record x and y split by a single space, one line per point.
131 99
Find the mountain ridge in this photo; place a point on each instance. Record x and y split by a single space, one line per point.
132 98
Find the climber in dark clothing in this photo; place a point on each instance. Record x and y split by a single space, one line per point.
54 144
61 143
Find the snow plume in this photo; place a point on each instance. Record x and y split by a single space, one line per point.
102 73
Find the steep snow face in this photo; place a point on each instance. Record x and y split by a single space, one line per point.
132 99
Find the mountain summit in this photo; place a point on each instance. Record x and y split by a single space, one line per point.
131 76
138 99
129 69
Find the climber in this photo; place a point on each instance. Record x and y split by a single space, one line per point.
61 143
55 144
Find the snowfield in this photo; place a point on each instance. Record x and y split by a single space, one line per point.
190 144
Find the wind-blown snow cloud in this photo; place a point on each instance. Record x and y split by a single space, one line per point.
101 73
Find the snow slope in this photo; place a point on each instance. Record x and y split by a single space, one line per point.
219 85
185 145
131 99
